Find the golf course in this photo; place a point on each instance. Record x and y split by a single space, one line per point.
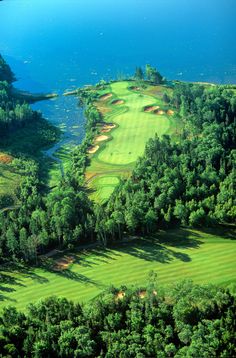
131 115
81 275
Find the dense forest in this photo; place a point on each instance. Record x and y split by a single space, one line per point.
185 321
13 114
191 181
6 73
186 181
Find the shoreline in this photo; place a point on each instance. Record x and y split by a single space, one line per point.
32 97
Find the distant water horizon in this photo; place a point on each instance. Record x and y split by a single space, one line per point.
58 45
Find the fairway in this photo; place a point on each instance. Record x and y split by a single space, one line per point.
177 254
125 107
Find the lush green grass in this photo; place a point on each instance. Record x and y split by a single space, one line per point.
204 257
127 142
9 180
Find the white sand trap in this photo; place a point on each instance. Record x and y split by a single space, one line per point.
107 128
63 263
105 96
93 149
170 112
101 138
120 295
151 108
160 112
117 102
142 294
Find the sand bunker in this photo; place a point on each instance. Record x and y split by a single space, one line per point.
120 295
93 149
5 158
159 112
63 263
101 138
142 294
107 128
117 102
170 112
135 88
105 96
151 108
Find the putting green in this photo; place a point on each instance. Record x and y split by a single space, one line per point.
127 141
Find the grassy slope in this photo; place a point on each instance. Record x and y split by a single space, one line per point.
202 256
117 156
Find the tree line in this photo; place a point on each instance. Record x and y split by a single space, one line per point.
6 73
151 74
13 113
186 320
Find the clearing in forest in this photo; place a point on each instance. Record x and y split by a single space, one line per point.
130 118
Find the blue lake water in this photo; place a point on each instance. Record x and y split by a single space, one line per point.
54 45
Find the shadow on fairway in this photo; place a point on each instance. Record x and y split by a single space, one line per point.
24 271
6 279
7 290
227 232
159 247
95 257
48 266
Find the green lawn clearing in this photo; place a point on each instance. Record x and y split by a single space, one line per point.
128 109
203 256
9 180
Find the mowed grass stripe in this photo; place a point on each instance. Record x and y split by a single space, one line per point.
212 261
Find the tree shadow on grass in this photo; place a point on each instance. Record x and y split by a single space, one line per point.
180 238
49 266
6 298
7 280
95 256
227 232
13 275
25 272
159 247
